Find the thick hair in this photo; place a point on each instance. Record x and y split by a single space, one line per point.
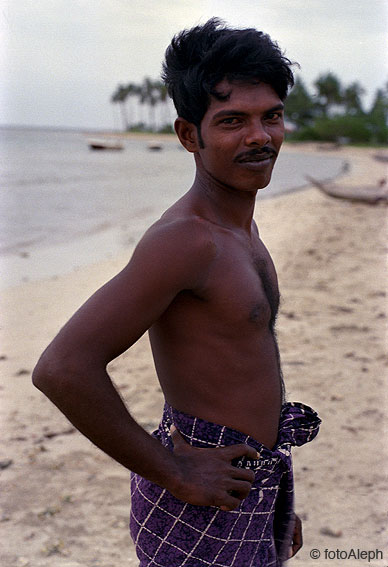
200 58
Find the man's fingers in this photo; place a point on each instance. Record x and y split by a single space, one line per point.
217 481
237 491
240 489
228 453
229 503
234 451
242 474
297 540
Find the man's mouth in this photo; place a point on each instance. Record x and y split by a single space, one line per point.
254 159
255 156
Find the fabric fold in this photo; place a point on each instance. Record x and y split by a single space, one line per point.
171 533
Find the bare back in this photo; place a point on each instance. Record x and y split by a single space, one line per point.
214 346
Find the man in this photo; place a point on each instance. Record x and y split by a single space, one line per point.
213 486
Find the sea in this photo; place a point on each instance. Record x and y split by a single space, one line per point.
63 205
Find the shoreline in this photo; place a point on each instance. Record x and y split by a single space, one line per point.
65 504
32 262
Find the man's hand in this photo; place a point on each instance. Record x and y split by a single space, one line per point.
206 476
297 538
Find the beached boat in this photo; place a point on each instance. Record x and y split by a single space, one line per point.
154 145
105 144
372 194
381 157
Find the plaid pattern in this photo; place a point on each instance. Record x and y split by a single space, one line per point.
171 533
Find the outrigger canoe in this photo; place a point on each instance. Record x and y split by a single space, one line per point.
372 194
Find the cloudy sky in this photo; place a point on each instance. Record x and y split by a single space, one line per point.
60 60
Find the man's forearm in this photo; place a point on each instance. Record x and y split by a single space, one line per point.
89 400
86 395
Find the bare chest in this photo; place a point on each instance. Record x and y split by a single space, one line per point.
242 287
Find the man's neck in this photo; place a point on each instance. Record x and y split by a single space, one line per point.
223 204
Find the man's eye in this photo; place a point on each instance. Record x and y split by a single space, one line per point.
274 116
230 121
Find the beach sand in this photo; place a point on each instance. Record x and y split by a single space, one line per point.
65 504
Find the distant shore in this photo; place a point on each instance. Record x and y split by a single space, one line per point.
65 504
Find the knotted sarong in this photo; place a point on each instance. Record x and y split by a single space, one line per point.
168 532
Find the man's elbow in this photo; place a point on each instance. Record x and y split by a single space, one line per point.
52 374
44 372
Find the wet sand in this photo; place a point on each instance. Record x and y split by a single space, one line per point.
66 504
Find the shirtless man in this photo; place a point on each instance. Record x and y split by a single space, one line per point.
203 284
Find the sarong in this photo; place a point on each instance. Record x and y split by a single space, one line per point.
168 532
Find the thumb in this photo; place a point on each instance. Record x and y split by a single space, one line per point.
177 438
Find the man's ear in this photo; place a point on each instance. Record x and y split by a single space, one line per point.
187 134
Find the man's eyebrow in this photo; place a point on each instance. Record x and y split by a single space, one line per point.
228 112
231 111
279 106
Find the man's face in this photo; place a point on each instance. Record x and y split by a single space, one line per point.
242 135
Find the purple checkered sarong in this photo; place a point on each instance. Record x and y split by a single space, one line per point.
171 533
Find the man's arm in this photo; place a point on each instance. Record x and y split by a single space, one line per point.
72 370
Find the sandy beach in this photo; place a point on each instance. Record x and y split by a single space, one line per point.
65 504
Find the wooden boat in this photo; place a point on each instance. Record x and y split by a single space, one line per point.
154 145
381 157
105 144
371 194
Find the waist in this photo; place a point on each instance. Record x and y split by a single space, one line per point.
298 424
251 405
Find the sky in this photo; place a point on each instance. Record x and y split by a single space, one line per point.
61 60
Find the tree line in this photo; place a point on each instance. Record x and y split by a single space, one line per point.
333 112
150 108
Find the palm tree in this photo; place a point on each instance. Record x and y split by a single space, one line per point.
352 98
149 95
164 99
120 96
133 90
329 92
299 104
378 116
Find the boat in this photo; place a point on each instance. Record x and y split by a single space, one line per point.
372 194
154 145
105 144
381 157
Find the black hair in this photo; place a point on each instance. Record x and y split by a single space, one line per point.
200 58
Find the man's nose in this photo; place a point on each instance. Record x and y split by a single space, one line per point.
257 135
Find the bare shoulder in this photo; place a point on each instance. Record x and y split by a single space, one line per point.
175 254
182 239
190 226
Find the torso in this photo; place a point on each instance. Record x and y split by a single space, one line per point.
215 349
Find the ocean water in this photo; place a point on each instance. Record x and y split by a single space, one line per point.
62 204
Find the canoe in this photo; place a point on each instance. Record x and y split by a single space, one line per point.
154 145
381 157
372 194
105 144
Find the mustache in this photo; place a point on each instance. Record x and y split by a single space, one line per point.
256 153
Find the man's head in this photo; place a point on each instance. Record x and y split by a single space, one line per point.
197 60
